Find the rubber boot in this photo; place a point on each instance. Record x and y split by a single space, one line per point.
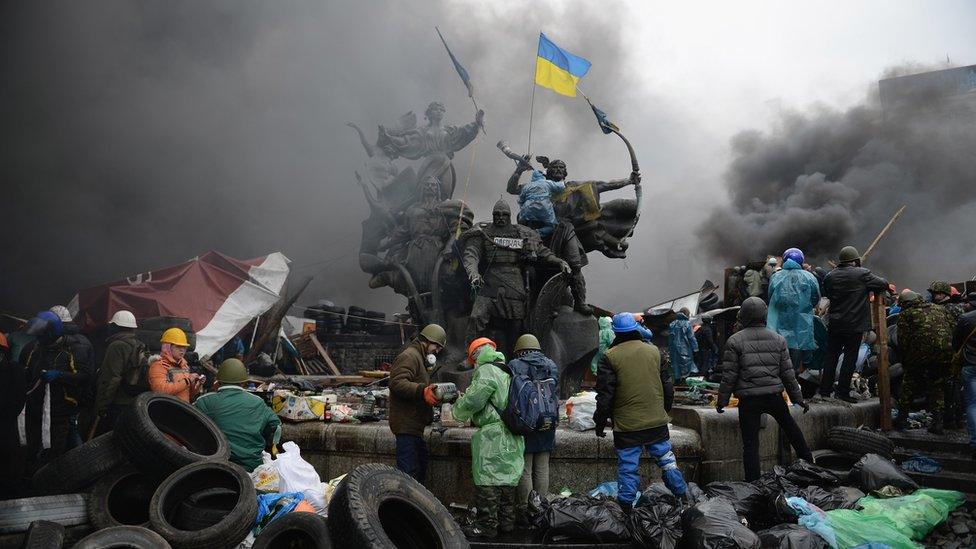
937 428
577 285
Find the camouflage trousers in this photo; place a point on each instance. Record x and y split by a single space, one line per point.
496 508
923 379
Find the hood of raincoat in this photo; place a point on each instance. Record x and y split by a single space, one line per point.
790 265
752 313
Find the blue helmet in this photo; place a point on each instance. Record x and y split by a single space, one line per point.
795 254
45 322
623 322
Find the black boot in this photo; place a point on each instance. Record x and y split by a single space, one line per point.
577 285
937 427
901 420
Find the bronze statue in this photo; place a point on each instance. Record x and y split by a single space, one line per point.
496 256
434 143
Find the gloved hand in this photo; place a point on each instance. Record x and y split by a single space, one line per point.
50 375
804 405
600 431
429 397
720 409
476 282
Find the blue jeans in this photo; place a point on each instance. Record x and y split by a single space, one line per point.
628 475
969 391
411 456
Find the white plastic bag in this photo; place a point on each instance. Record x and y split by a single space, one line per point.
297 475
265 476
580 409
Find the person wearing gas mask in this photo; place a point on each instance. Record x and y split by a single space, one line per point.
412 399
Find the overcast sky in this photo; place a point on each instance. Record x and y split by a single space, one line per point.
138 135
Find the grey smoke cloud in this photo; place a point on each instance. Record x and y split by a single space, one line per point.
826 178
137 135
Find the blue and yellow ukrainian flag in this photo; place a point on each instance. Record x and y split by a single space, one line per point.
557 69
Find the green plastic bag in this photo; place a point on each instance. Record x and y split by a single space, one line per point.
853 528
917 514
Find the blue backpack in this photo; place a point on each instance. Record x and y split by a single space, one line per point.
533 402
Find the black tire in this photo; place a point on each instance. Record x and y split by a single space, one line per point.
295 531
122 498
43 534
839 463
376 507
859 441
192 479
16 515
79 467
204 508
161 433
128 537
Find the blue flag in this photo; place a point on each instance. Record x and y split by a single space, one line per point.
457 66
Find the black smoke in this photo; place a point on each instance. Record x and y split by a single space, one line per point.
825 178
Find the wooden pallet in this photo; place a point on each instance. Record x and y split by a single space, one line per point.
315 358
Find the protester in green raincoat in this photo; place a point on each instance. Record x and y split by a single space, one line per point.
496 454
606 338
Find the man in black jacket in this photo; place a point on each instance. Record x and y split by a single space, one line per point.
847 287
757 367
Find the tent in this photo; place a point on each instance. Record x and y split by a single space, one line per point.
219 294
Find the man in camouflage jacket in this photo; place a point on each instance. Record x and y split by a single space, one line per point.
925 345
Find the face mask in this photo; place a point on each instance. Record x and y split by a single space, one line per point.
431 359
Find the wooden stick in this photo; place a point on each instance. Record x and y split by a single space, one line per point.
884 384
273 320
883 233
324 354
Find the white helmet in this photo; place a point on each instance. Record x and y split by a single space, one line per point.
62 312
124 319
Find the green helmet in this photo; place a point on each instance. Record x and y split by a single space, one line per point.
527 342
848 253
940 287
433 333
232 371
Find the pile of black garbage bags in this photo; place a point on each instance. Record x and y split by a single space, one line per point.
749 515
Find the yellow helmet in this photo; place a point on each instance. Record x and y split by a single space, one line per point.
175 336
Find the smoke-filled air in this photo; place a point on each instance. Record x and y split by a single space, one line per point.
823 178
140 135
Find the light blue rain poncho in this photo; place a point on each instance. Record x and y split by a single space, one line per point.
535 203
793 293
682 346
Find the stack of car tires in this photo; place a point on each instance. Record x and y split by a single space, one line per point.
160 479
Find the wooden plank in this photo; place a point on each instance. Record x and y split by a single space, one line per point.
273 320
883 232
324 354
884 383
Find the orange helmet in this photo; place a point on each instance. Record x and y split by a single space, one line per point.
639 318
953 291
3 341
477 344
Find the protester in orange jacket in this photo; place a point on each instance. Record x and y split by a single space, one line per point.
170 374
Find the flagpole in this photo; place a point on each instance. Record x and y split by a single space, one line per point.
528 152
